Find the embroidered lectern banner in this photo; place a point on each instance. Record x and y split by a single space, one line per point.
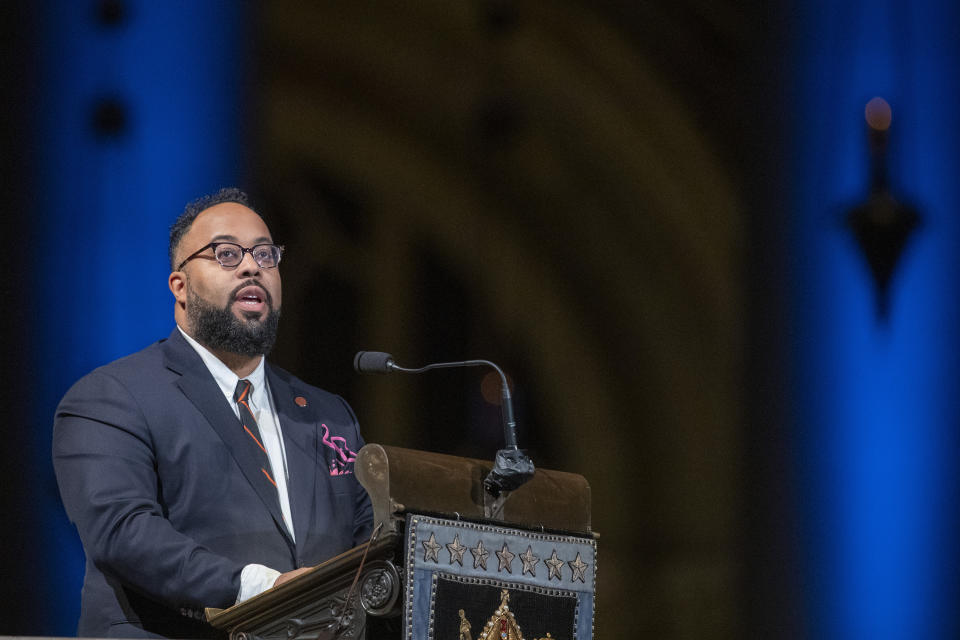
470 581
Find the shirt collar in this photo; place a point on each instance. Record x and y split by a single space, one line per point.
226 379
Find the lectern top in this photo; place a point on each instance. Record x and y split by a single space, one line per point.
405 480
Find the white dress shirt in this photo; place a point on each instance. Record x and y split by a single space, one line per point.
255 578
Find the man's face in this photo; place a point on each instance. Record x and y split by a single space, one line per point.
234 310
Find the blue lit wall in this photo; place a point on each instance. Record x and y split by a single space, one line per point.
877 403
166 83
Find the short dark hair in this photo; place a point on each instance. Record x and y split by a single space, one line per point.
185 220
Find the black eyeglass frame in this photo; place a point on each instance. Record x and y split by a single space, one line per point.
243 250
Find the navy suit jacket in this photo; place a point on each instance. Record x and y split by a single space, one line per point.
168 497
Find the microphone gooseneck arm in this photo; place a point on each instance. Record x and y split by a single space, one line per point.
511 466
506 400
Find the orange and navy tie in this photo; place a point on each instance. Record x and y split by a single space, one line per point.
242 397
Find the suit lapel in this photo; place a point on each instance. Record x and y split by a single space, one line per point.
202 390
299 427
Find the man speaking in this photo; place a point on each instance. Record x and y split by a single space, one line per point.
197 474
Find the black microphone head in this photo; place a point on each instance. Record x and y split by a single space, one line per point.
373 362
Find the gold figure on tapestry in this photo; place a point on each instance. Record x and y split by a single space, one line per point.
464 627
501 625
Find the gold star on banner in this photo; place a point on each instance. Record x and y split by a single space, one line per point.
431 548
505 558
529 562
480 556
456 550
579 568
554 564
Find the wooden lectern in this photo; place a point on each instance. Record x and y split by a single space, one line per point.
447 559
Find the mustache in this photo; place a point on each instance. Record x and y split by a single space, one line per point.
250 283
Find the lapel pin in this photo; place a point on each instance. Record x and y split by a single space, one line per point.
301 401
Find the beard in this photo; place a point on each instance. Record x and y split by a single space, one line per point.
220 329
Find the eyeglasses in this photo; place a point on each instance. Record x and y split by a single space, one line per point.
230 255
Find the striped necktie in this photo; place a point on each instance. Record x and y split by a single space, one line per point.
242 396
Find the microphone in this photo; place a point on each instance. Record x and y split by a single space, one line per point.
373 362
511 466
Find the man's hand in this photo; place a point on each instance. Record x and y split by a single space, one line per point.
290 575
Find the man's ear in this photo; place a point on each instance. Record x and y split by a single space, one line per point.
178 287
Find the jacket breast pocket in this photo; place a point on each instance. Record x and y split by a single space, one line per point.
338 458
